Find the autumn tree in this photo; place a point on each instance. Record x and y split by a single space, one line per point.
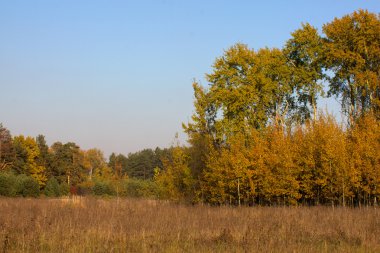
27 153
232 172
321 156
248 89
93 159
175 179
352 49
364 153
6 148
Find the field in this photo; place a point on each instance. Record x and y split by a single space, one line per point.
129 225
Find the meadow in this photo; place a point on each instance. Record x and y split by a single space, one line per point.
135 225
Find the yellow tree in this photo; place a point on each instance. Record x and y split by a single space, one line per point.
322 161
352 49
364 151
175 179
93 160
227 178
27 153
280 160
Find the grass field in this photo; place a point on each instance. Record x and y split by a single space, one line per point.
128 225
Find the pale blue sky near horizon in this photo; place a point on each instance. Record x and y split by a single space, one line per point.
117 75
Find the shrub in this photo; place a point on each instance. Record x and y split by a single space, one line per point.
64 188
85 188
28 186
52 188
8 184
103 188
139 188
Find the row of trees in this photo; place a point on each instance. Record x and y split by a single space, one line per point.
62 166
256 137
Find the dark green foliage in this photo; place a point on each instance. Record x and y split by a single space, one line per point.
44 157
27 186
103 188
118 164
64 188
8 185
18 185
66 161
52 188
138 165
20 164
139 188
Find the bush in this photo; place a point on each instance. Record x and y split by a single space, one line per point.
85 188
139 188
52 188
8 185
28 186
65 189
103 188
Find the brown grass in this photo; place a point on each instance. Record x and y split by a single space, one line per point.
127 225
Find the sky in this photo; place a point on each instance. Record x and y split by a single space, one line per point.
117 75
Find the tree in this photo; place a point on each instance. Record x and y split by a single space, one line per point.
118 164
175 178
227 177
364 151
6 148
93 160
247 90
67 163
52 188
141 164
352 49
27 153
199 134
321 156
304 51
44 157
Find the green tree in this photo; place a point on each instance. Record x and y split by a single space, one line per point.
118 164
199 133
304 52
67 163
44 157
29 187
247 90
141 164
52 188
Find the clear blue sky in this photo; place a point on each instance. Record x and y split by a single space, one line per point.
117 75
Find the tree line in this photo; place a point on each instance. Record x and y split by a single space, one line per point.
256 135
29 167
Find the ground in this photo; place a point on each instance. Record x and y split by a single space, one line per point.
132 225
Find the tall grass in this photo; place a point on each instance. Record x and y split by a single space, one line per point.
132 225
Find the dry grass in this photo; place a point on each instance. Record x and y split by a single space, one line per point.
98 225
